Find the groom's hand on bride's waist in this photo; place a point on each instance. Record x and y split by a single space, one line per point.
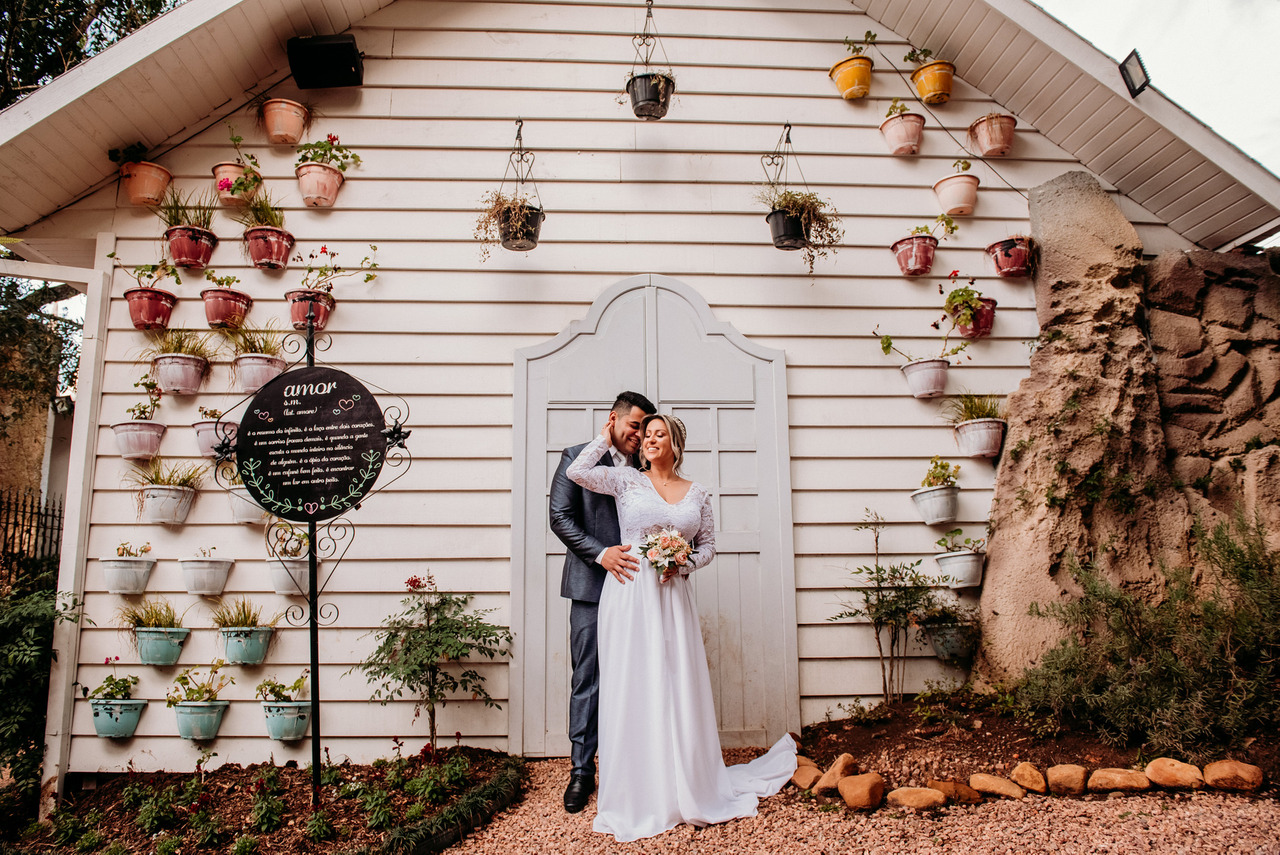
619 563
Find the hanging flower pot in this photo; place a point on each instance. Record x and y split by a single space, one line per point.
933 81
225 175
902 132
992 135
127 575
150 308
255 370
246 645
304 302
953 643
957 194
980 437
179 373
1012 256
964 569
287 721
651 94
284 121
852 76
319 184
984 317
915 254
116 719
787 231
210 432
144 183
160 645
937 504
166 504
268 247
225 308
138 439
205 576
244 509
190 246
199 720
513 220
291 576
520 231
926 378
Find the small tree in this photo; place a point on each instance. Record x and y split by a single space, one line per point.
421 650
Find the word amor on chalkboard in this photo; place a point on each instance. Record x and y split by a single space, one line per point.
310 445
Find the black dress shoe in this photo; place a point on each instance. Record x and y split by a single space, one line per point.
578 792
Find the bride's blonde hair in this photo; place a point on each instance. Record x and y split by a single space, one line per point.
675 430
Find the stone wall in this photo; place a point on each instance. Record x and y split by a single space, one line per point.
1151 400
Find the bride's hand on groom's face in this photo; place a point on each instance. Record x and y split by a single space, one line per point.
607 430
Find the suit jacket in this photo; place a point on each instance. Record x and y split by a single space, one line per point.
586 524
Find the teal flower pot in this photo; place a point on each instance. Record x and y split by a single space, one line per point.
246 645
200 720
116 719
160 645
954 644
287 720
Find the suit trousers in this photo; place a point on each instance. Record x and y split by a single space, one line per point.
584 697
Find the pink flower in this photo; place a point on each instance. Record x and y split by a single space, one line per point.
682 558
664 542
415 583
324 250
224 184
653 554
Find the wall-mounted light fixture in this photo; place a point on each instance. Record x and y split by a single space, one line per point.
1134 73
325 62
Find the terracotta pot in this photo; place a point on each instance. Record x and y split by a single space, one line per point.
225 308
525 238
283 120
305 300
210 432
787 231
138 439
144 182
852 76
190 246
903 132
1012 257
178 373
255 370
983 319
230 171
992 135
150 308
980 437
650 95
268 247
915 254
319 184
957 194
926 378
933 81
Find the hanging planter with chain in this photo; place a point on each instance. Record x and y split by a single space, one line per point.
797 219
650 89
513 220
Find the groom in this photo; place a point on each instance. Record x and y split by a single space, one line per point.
587 524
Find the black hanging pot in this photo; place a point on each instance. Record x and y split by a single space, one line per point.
650 95
788 231
519 229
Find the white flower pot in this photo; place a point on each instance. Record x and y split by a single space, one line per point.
255 370
126 575
165 504
179 373
963 568
980 437
205 577
957 194
244 509
138 439
937 504
926 378
289 576
210 432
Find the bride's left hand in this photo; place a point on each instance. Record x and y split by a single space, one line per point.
669 573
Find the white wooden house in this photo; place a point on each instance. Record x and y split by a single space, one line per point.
654 272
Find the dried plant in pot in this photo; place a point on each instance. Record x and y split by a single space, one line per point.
800 220
512 221
237 181
650 89
165 492
258 356
283 121
902 130
915 252
852 75
180 359
937 501
312 302
155 630
144 182
188 218
139 437
320 170
933 78
246 636
127 571
150 306
225 307
266 242
978 423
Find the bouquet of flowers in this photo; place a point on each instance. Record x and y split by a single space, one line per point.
666 548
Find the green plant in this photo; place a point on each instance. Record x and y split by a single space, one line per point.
962 303
168 845
272 690
158 811
420 649
940 473
377 808
227 281
944 222
952 542
206 828
240 612
149 614
896 108
918 55
946 351
269 340
823 229
1182 676
328 150
250 178
319 828
504 216
190 687
260 211
128 550
890 598
322 269
267 809
146 410
156 473
415 812
132 153
856 49
112 688
245 844
150 275
960 165
968 406
209 413
181 341
186 209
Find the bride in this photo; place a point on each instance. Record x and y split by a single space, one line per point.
660 759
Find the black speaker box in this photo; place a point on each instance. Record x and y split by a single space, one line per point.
325 62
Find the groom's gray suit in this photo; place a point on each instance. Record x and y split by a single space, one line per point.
587 524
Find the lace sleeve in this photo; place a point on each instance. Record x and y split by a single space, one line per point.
597 479
705 539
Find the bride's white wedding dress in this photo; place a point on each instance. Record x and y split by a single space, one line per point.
660 760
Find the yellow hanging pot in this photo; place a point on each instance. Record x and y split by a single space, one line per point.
933 81
852 76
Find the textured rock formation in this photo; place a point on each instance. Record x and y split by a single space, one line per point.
1233 775
1029 778
1173 774
1067 779
916 798
994 785
863 792
1118 780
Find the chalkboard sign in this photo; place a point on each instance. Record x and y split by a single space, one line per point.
310 445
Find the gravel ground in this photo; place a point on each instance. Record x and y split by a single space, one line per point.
1165 823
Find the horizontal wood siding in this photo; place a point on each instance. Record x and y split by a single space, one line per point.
434 124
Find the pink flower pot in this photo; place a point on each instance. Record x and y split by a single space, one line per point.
268 247
138 439
230 171
319 184
283 120
915 254
992 136
983 319
303 300
145 183
1012 257
225 308
190 246
957 194
903 132
150 308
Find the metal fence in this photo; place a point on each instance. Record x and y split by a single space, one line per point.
30 529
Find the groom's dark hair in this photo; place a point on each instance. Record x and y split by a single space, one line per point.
627 400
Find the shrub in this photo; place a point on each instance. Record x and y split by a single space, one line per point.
1195 671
